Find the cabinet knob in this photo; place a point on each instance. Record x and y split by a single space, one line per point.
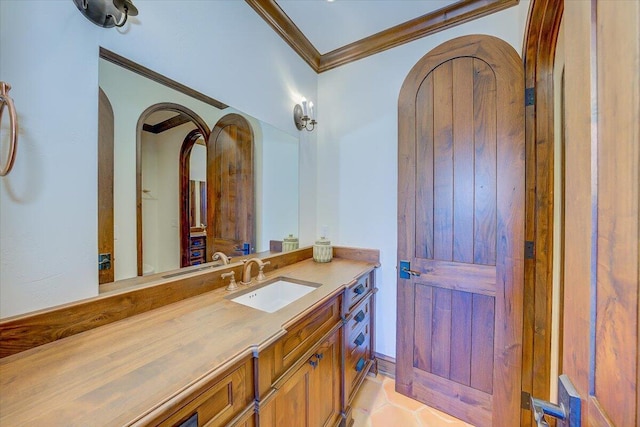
360 316
313 363
360 365
359 290
359 340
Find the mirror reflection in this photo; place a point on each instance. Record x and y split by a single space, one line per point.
181 179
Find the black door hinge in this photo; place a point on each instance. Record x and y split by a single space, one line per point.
529 96
529 249
525 402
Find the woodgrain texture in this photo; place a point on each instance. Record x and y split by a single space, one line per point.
446 17
539 53
125 299
231 192
160 358
105 185
476 128
602 224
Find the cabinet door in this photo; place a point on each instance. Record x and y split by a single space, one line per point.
290 406
324 396
311 396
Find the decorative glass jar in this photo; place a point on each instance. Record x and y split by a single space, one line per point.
322 250
289 243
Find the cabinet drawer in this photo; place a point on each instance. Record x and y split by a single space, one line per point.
219 403
359 315
356 359
197 242
197 253
356 292
300 338
356 366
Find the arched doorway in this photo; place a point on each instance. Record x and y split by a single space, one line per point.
181 116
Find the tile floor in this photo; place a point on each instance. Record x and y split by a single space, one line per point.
378 405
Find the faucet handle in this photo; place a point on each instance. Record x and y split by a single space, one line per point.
232 282
261 277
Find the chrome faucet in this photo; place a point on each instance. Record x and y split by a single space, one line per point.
219 256
246 271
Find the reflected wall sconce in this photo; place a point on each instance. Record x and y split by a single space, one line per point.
107 13
303 116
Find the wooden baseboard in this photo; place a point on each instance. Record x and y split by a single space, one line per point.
386 365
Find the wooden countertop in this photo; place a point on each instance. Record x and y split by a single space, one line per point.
126 372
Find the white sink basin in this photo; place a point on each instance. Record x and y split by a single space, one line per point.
275 294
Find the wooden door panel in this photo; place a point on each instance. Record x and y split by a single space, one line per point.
461 182
442 163
485 180
230 220
453 335
601 351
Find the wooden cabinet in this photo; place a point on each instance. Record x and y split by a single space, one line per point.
358 337
300 374
227 400
310 396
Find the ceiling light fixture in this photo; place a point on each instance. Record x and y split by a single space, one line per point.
107 13
303 115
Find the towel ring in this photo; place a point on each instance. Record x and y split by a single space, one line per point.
5 99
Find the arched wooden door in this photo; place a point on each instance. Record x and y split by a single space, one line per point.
230 186
461 228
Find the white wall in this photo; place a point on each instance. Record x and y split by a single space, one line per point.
49 54
357 154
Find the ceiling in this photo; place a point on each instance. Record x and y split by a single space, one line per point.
327 34
352 20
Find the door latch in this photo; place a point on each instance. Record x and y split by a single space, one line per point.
406 272
567 412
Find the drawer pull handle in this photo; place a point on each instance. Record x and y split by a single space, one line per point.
358 342
313 363
195 253
319 356
360 364
360 316
359 290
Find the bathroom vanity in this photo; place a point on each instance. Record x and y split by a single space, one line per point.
204 359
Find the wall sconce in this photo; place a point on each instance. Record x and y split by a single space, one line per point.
303 116
107 13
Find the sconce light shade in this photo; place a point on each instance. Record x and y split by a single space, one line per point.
107 13
303 118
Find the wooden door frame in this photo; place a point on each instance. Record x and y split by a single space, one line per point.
105 184
163 106
184 196
543 25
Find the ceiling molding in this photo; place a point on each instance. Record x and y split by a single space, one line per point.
166 125
447 17
271 12
158 78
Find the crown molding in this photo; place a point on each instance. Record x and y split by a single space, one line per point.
271 12
441 19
